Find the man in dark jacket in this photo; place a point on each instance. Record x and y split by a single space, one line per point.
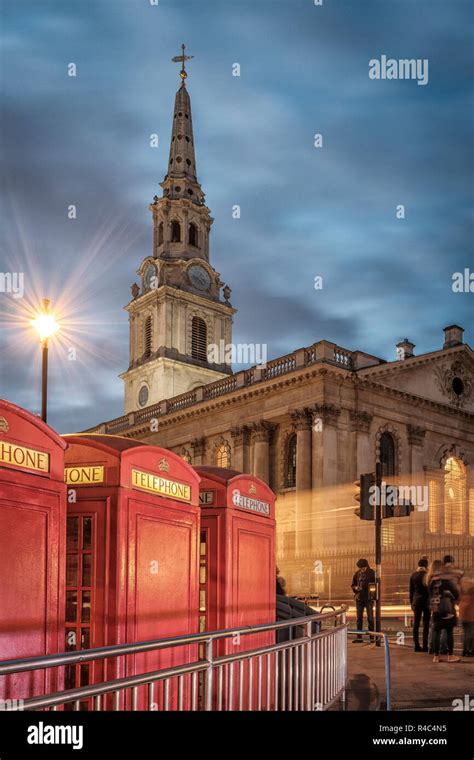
363 584
420 604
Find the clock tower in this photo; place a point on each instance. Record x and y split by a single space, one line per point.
178 311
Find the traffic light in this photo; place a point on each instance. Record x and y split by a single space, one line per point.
394 506
404 508
364 496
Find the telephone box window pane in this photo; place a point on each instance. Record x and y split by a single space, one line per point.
202 574
71 606
71 569
70 639
203 543
202 623
87 533
202 600
70 677
85 638
87 570
72 534
84 675
86 607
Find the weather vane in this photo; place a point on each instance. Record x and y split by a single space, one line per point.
182 59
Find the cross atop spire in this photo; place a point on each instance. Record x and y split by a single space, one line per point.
182 59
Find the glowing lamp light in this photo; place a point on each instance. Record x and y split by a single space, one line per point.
45 323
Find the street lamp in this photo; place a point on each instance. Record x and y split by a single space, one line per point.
46 326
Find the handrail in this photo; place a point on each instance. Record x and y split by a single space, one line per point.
388 669
319 659
83 655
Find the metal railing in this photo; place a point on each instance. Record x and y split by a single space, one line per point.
321 351
388 667
306 671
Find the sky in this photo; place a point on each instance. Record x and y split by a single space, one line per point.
306 211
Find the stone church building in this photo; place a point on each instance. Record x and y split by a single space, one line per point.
307 423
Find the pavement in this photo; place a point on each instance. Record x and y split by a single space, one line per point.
417 682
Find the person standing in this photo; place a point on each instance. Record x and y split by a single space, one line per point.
280 584
420 604
363 584
466 615
444 593
455 574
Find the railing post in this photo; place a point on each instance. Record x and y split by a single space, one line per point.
309 669
209 676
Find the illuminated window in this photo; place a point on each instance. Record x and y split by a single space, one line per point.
388 534
199 339
186 456
223 455
471 511
434 493
290 462
147 336
454 496
387 454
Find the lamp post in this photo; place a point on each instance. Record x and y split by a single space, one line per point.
46 326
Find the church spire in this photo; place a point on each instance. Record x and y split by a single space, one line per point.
181 179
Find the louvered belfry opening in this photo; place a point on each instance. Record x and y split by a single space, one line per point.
199 339
147 337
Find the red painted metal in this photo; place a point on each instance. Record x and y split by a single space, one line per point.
237 556
32 546
144 565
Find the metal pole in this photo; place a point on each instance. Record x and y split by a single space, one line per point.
378 550
44 380
388 672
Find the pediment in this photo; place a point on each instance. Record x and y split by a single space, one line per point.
446 377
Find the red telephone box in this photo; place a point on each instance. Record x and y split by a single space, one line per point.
237 561
32 534
132 553
237 553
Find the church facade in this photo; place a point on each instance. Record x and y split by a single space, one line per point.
308 423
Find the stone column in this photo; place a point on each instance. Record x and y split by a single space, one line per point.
198 446
324 473
261 433
240 436
360 429
302 423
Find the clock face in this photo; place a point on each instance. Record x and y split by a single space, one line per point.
199 277
143 395
150 273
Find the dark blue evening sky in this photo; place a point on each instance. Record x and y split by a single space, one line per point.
304 211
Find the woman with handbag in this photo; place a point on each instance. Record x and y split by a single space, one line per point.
444 594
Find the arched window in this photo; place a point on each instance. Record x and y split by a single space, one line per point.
160 233
434 495
175 232
454 496
193 235
223 455
471 512
387 454
199 339
147 336
290 462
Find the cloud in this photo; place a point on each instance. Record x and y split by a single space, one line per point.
304 211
